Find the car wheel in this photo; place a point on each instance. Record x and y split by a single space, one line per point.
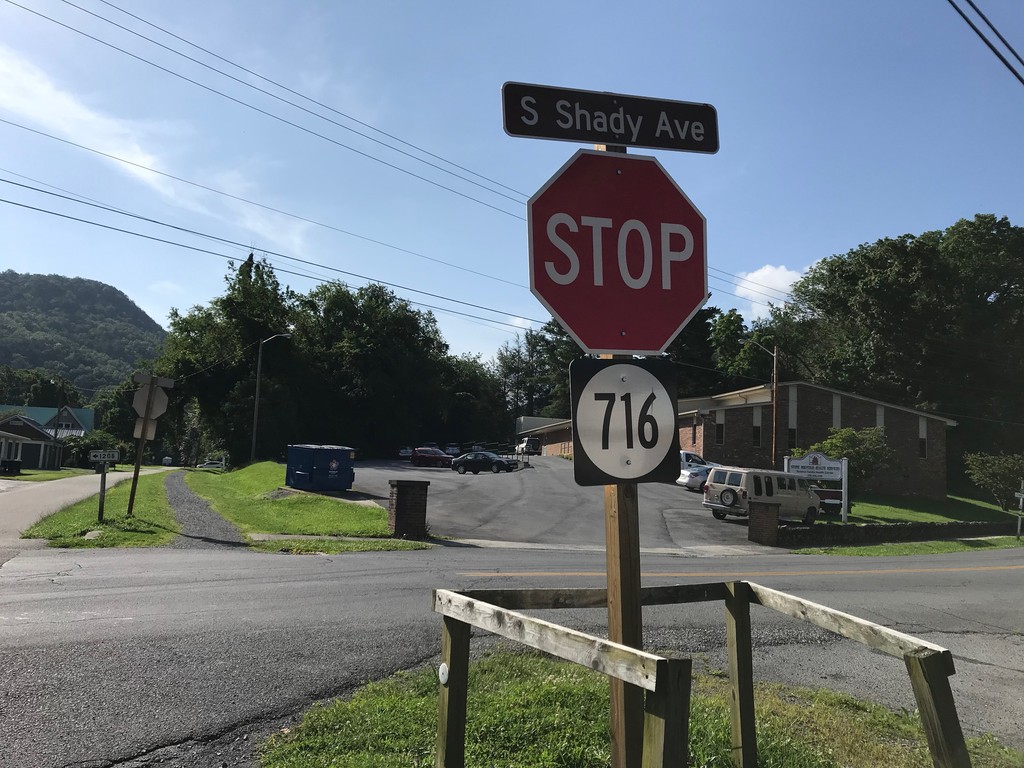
462 469
811 516
495 468
718 514
728 497
476 471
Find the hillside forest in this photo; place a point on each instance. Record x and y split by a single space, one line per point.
931 321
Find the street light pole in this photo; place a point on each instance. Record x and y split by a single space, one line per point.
256 406
775 395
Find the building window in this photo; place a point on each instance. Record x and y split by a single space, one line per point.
922 447
693 433
792 439
719 434
757 436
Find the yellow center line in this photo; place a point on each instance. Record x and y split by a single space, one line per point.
706 574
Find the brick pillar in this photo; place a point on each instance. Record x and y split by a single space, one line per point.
407 509
763 523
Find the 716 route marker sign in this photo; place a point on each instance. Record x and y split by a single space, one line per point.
624 423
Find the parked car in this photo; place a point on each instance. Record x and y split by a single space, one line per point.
688 460
430 457
405 452
729 491
475 461
528 446
694 478
453 449
211 465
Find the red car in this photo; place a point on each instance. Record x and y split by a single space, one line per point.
430 457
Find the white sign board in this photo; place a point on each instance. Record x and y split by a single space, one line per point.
817 466
97 456
150 429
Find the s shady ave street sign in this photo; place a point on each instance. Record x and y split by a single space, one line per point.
544 112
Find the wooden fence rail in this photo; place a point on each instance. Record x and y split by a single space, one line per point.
666 681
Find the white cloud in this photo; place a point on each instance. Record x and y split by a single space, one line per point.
520 322
766 285
284 232
166 288
27 92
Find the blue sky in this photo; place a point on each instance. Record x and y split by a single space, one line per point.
840 123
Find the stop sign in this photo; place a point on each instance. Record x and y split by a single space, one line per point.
617 253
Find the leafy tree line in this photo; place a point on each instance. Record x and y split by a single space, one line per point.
361 368
932 321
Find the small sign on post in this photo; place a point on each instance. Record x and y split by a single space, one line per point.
103 457
818 466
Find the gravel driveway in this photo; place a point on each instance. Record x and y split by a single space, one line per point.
201 527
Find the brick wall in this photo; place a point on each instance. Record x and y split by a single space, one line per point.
835 534
407 509
909 474
763 525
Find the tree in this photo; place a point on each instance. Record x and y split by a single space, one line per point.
866 450
695 356
211 352
1001 475
931 321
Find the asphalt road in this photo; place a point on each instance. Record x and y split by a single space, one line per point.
542 505
191 657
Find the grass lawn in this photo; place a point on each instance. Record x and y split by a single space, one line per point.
902 510
40 475
153 524
919 547
948 510
248 497
526 710
334 546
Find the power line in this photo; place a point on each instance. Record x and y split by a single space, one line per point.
293 104
984 39
307 220
310 98
992 26
270 208
242 245
268 114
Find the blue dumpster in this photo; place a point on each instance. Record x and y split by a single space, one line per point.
320 467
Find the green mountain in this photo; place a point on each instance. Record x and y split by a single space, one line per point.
86 331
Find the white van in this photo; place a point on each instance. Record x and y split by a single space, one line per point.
528 446
729 491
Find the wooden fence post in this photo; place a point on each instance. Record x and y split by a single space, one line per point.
930 680
451 708
741 675
667 718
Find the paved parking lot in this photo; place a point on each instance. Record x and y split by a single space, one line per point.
542 505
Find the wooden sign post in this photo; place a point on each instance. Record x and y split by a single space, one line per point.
596 305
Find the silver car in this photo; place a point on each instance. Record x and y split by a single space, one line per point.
694 478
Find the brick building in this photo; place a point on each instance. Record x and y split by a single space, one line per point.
735 428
